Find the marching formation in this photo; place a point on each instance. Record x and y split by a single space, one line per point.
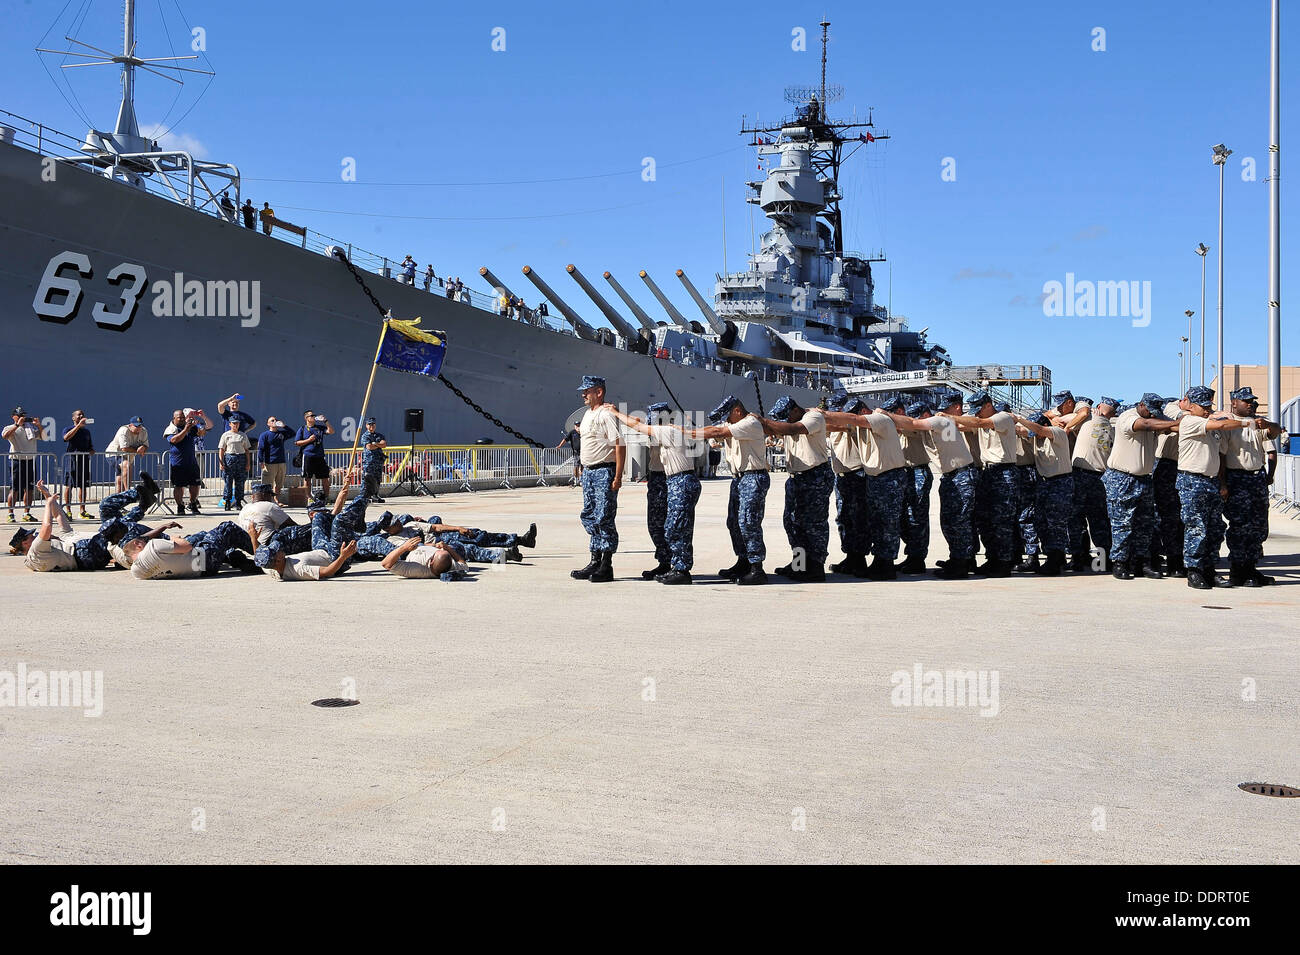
1136 490
263 539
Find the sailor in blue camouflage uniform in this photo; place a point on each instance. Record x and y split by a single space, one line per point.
1054 489
807 489
140 498
850 491
887 478
916 492
227 543
1091 442
1130 493
996 503
656 498
950 452
373 457
743 440
1026 494
43 550
329 532
296 538
603 456
1246 507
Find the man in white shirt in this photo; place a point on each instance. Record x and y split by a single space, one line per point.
262 516
131 439
22 436
950 452
1130 492
603 456
414 559
743 439
311 565
807 489
656 495
850 489
234 459
1089 519
999 485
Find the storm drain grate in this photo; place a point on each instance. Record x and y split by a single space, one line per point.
1270 789
335 701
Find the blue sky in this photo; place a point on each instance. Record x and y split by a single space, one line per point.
1067 160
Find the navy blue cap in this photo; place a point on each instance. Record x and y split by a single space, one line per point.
947 399
780 410
724 408
1201 395
591 381
892 402
1001 406
20 535
1040 419
919 407
1082 400
405 519
259 488
836 402
1243 394
265 555
1107 400
1061 397
1155 404
659 407
978 400
854 404
136 420
370 421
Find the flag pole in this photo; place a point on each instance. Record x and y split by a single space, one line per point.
365 402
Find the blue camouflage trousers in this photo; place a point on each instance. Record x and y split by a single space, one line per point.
1027 517
1131 505
600 508
330 532
679 524
218 543
995 510
1090 514
1247 512
746 504
1202 513
294 539
1169 521
916 512
92 553
957 511
373 547
114 505
885 511
236 473
1053 505
851 512
472 548
807 513
656 513
379 525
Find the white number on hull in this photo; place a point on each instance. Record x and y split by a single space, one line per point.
65 309
121 321
53 283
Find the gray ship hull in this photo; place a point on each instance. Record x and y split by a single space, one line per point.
313 343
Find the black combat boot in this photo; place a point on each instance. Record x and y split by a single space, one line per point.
1196 579
584 573
1239 574
912 565
953 569
243 563
1080 563
844 566
1148 569
657 571
754 577
1213 579
815 574
146 492
882 569
513 555
1054 565
676 577
1261 580
1029 565
529 539
737 570
1176 568
604 571
1119 570
787 571
997 568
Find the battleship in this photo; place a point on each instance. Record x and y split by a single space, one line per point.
126 275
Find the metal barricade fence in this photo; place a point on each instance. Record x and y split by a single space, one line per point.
23 473
99 473
1285 491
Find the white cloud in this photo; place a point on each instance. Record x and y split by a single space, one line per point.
179 141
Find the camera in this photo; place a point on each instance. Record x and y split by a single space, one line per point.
88 420
320 419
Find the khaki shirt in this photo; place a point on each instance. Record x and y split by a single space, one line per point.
671 445
947 447
53 554
306 566
1244 448
1024 450
599 437
746 449
844 451
998 444
1052 454
886 451
1198 449
159 558
1093 444
803 452
1133 452
1167 443
915 451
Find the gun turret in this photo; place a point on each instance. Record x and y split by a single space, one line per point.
615 319
582 328
669 307
646 321
710 316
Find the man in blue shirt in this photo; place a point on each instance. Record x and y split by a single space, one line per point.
270 452
372 459
77 470
310 441
183 459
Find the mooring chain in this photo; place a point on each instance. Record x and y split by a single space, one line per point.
459 394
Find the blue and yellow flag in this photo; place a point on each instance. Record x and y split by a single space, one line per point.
407 348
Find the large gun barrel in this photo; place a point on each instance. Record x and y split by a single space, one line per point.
710 315
495 282
615 319
646 321
582 328
669 307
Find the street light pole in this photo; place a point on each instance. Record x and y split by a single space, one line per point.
1200 250
1221 155
1187 379
1274 224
